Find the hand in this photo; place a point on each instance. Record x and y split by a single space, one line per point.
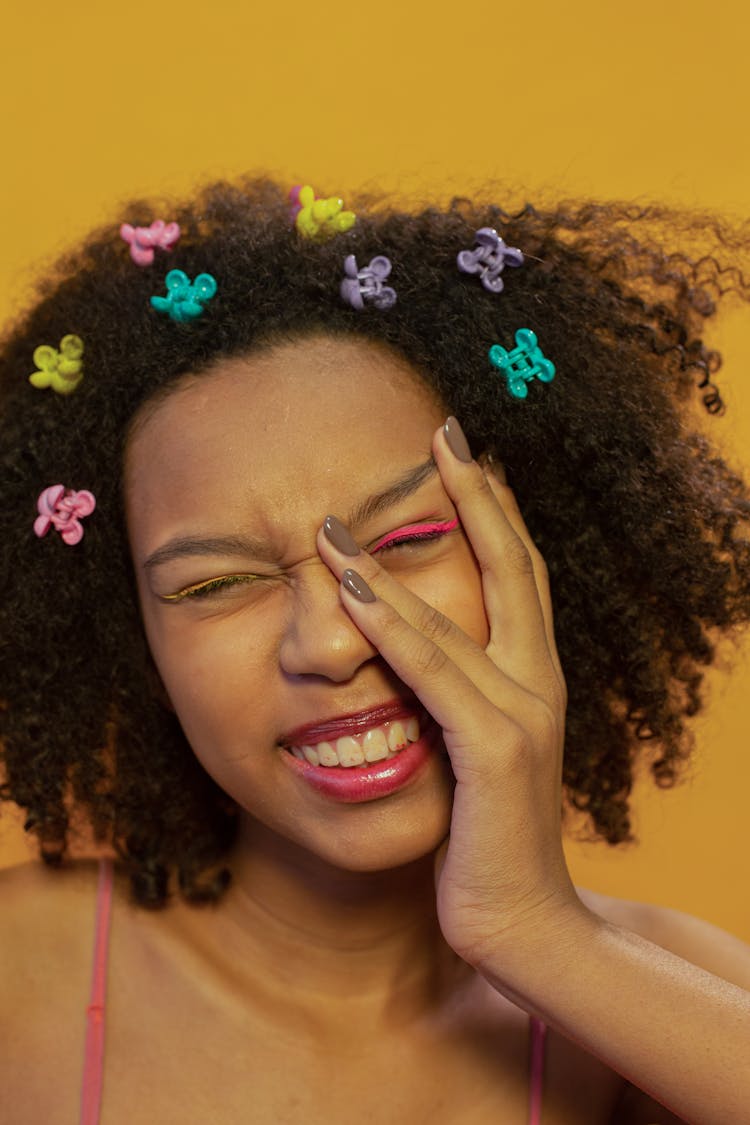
501 710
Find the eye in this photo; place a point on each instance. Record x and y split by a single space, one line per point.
417 533
210 586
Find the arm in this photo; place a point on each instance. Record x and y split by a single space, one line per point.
505 900
677 1032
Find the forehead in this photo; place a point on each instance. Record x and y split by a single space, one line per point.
280 430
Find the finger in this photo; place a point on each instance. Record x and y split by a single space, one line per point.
519 635
339 551
450 696
505 496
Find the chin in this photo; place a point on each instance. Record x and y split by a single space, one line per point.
383 851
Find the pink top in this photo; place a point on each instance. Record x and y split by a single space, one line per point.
91 1092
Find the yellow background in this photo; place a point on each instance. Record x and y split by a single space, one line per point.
636 99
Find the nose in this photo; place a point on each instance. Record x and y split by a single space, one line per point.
320 638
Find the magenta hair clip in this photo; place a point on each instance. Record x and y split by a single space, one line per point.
63 509
143 240
415 531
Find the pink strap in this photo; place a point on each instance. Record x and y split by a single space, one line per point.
91 1093
538 1034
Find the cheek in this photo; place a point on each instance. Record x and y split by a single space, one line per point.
455 589
213 675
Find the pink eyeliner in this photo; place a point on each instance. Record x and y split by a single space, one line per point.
414 529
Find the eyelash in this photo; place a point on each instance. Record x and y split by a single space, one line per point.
414 537
223 582
415 534
204 589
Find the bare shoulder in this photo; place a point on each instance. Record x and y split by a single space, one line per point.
689 937
46 955
45 912
32 889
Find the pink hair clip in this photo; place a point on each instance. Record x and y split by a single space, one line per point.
63 509
143 239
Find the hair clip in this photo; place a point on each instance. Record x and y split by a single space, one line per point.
63 509
319 218
521 365
61 370
143 239
185 299
366 284
489 259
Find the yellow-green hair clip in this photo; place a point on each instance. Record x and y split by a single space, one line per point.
62 370
319 218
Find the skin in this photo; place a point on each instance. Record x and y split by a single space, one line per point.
303 431
401 903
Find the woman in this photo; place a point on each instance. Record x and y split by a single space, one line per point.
290 644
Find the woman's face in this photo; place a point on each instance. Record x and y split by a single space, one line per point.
228 480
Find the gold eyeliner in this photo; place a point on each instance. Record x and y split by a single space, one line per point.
207 584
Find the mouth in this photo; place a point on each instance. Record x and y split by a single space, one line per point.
358 740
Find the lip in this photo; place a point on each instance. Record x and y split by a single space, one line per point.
356 723
355 784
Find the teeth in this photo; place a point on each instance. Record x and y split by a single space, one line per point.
349 752
327 754
397 739
375 745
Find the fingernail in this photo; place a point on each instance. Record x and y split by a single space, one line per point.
457 442
357 586
338 533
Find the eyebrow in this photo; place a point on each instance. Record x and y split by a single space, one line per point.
392 494
243 545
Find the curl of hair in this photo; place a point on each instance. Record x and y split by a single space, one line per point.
642 525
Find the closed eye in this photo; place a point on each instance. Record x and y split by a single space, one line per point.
210 586
417 533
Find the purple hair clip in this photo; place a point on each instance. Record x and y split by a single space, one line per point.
366 284
63 509
489 259
143 239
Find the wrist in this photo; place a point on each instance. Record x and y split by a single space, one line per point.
539 948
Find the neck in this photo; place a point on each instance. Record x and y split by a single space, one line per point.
330 941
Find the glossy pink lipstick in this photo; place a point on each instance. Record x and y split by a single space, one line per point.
374 779
353 784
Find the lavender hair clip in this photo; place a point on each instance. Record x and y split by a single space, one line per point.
366 285
489 259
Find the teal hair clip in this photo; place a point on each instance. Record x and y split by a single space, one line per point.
185 299
525 362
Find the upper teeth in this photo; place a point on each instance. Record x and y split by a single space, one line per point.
372 745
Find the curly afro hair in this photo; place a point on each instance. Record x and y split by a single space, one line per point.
643 527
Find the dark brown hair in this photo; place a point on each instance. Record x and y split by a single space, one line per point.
643 526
